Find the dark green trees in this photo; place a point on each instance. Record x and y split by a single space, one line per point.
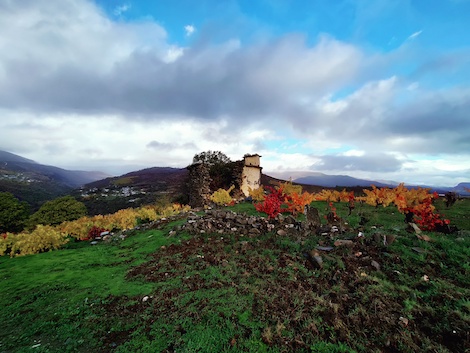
211 158
13 213
57 211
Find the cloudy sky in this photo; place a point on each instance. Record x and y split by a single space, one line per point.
374 89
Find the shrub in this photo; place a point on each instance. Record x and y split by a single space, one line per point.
6 242
95 232
13 213
57 211
288 188
257 194
272 202
222 197
42 238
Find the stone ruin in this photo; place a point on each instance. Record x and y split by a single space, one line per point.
247 175
199 181
221 221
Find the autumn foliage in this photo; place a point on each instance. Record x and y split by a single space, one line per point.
284 198
45 238
272 202
416 202
222 197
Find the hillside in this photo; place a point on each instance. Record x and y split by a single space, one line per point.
134 189
255 285
36 183
462 189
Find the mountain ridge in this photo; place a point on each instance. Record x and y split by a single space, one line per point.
33 171
10 157
37 183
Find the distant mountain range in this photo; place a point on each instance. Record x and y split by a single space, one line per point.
333 181
36 183
15 164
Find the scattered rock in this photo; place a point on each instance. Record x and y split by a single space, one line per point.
315 259
412 227
418 250
318 261
312 217
344 242
375 265
403 321
324 248
424 237
389 239
378 238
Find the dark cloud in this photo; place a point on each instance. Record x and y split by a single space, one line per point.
240 83
60 64
433 113
377 163
442 64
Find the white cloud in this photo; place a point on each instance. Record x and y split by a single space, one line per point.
119 10
353 153
189 29
415 35
413 86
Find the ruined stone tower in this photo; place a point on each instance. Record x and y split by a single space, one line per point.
251 174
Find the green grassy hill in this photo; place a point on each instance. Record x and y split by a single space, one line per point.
165 290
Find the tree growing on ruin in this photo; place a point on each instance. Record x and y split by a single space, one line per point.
221 169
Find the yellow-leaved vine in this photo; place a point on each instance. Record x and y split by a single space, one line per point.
222 197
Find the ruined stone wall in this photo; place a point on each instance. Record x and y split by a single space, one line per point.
199 181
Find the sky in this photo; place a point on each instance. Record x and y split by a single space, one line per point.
374 89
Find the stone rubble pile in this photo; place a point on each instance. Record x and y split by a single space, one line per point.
228 222
123 234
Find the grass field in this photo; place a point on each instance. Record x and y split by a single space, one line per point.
230 293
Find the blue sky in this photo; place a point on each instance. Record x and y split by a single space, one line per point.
370 88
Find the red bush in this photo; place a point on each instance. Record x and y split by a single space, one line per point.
95 232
